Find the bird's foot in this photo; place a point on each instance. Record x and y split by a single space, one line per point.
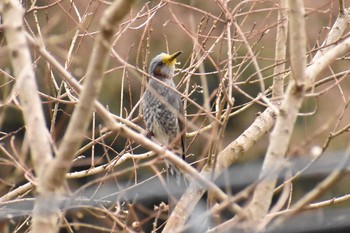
149 134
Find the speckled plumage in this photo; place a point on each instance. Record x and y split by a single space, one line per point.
162 106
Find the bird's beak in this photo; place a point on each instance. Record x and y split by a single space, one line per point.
174 55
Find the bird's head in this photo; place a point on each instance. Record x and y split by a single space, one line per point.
163 65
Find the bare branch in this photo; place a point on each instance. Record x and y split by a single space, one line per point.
37 133
281 134
54 176
280 50
225 158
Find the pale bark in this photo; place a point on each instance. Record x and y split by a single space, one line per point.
36 131
282 132
254 133
280 51
54 176
225 158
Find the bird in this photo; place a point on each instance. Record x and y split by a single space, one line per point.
163 110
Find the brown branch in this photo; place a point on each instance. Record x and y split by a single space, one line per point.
281 134
225 158
37 133
284 124
67 77
238 147
81 116
111 124
323 186
54 176
317 205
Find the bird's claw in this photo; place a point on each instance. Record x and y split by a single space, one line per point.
149 134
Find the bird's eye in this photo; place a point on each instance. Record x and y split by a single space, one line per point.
160 63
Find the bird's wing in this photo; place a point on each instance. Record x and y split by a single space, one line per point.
182 128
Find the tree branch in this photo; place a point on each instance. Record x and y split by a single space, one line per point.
54 176
280 51
37 133
249 137
281 134
225 158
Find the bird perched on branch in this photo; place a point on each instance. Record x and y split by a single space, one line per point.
163 110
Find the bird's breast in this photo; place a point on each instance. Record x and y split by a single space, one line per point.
160 108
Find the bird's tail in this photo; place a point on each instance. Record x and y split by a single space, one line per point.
176 184
176 180
174 174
